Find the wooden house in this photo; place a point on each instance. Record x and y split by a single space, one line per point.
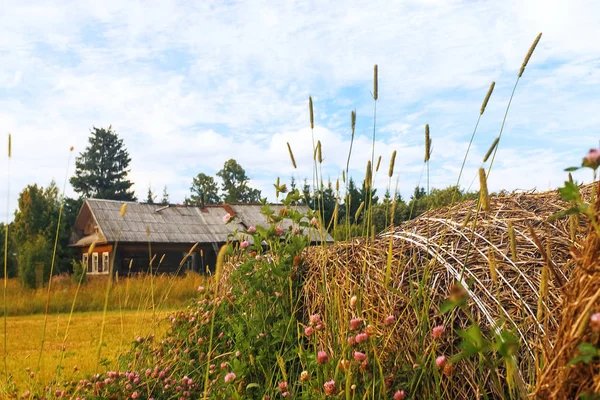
164 234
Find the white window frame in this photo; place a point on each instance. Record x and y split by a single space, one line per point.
94 263
105 262
85 259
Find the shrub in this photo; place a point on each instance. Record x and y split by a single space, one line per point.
34 255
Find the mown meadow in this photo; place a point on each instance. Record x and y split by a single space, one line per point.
469 301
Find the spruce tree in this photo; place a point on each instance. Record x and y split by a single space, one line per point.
101 170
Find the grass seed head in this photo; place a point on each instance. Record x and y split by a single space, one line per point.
487 98
353 121
312 116
512 240
392 163
529 53
427 143
358 211
369 175
344 177
375 84
291 155
123 209
491 149
378 163
484 196
319 153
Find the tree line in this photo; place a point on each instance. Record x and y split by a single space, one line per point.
101 171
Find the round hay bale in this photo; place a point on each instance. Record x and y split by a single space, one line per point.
427 256
581 294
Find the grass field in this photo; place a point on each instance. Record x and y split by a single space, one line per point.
24 341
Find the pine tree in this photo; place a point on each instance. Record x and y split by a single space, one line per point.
150 197
165 197
101 170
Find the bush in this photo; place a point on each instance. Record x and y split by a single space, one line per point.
34 254
79 272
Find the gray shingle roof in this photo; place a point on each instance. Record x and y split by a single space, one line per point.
174 224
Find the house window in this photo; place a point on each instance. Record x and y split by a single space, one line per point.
105 262
94 263
85 261
190 261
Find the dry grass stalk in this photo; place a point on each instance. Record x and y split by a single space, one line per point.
491 149
512 241
581 298
427 143
442 235
484 197
529 53
291 155
487 98
9 145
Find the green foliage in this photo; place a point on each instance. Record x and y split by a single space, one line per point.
587 353
34 255
150 196
37 215
165 197
204 190
79 272
235 184
101 170
11 260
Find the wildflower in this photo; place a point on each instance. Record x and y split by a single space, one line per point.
314 222
244 244
322 357
399 395
278 294
319 326
308 330
285 394
135 395
238 353
438 331
314 319
257 258
448 370
389 320
363 365
304 375
279 231
201 289
251 229
223 365
229 377
26 394
595 322
370 330
440 361
283 386
358 356
592 159
329 388
351 340
353 301
226 218
361 337
355 324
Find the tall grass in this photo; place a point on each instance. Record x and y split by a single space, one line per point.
126 294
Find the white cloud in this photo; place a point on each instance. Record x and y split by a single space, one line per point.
190 86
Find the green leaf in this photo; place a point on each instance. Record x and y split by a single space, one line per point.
587 352
252 386
564 213
570 192
571 169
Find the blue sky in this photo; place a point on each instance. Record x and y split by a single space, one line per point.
188 85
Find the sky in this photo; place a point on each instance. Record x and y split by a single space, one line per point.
189 85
